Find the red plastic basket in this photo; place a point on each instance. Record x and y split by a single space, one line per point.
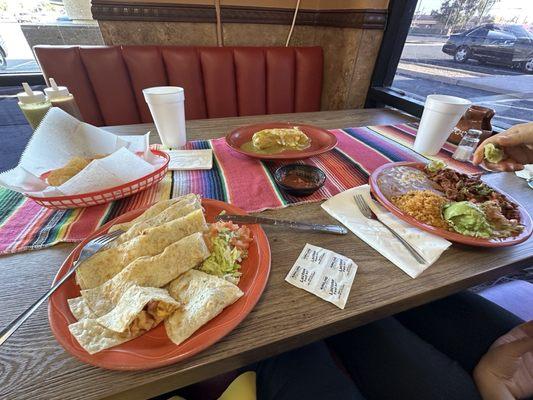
107 195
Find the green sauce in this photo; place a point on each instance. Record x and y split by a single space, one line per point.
249 147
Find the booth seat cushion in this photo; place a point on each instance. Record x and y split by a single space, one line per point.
107 81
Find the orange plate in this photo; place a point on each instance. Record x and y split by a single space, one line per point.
321 140
154 349
525 218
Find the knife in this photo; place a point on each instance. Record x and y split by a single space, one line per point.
249 219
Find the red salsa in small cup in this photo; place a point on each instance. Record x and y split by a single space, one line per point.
298 180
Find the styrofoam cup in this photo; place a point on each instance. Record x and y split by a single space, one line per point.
441 114
166 104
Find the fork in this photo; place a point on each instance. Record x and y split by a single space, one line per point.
91 248
368 213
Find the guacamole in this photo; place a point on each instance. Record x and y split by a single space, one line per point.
435 165
493 154
467 218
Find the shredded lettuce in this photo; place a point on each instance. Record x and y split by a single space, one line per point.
224 260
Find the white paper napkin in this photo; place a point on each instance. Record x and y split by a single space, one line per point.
107 172
188 160
343 208
526 173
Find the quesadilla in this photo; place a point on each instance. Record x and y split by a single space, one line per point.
155 271
149 213
202 298
107 263
136 309
185 205
140 309
79 308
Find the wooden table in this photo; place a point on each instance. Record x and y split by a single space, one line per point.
34 366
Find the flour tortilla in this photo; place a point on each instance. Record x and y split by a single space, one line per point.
155 271
131 304
79 308
105 264
185 205
95 337
149 213
202 298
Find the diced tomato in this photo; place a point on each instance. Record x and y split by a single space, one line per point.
242 234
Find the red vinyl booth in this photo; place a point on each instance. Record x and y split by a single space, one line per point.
107 81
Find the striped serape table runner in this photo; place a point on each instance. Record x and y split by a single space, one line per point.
234 178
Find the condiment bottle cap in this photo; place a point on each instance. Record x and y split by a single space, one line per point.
29 96
56 92
474 133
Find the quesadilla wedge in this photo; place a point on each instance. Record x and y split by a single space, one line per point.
184 206
155 271
107 263
202 298
149 213
141 309
136 309
79 308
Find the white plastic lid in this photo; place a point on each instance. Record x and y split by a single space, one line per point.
55 92
29 96
164 94
447 104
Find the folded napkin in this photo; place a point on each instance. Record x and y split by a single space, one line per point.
342 207
188 160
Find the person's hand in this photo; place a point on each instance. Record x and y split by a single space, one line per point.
506 370
516 142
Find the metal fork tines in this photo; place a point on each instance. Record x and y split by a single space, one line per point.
368 213
91 248
97 244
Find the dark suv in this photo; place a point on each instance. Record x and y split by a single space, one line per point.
510 45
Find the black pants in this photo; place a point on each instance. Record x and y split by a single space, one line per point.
425 353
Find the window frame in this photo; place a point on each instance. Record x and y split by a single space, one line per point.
381 93
17 79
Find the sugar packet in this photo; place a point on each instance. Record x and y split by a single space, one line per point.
324 273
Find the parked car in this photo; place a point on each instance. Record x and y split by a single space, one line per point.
3 54
510 45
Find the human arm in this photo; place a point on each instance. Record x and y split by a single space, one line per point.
505 372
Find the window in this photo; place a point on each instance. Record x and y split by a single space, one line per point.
480 32
26 23
477 49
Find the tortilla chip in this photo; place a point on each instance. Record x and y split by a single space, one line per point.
59 176
155 271
179 209
107 263
95 337
149 213
202 298
131 304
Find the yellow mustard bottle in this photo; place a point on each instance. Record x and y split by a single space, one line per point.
60 97
33 104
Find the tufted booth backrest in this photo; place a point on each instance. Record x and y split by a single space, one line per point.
107 81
